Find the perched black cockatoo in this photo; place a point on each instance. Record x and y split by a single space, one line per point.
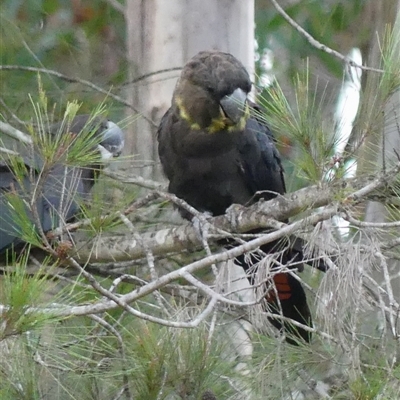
53 189
216 152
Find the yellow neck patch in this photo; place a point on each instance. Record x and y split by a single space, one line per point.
217 124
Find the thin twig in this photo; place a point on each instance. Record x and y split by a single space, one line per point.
77 80
116 6
115 300
7 151
149 258
150 74
389 288
365 224
135 179
15 133
8 109
318 45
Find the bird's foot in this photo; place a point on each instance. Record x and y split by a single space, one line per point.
233 214
202 225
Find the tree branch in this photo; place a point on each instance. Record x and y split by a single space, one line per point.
77 80
150 74
116 6
135 179
318 45
15 133
239 219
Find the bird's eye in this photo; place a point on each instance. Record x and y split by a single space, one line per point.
210 90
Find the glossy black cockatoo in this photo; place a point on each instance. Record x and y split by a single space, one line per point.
215 152
50 192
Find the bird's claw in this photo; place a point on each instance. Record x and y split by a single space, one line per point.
201 225
233 213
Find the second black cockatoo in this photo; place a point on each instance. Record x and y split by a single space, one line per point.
216 152
50 192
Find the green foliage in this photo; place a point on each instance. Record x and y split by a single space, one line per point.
43 357
304 125
73 150
390 80
24 225
19 376
176 360
86 360
20 294
373 383
47 151
277 366
377 119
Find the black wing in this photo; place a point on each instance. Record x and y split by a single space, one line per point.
58 199
262 167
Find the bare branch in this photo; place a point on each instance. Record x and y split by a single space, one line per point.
150 74
318 45
389 289
261 215
7 151
366 224
15 133
135 180
77 80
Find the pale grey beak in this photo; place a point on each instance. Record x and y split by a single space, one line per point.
113 140
234 105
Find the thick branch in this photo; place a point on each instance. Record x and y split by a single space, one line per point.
260 215
183 272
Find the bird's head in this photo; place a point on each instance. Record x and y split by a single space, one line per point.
211 93
112 139
100 138
109 136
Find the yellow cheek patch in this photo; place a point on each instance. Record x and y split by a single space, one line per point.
223 123
185 115
218 124
195 126
182 110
